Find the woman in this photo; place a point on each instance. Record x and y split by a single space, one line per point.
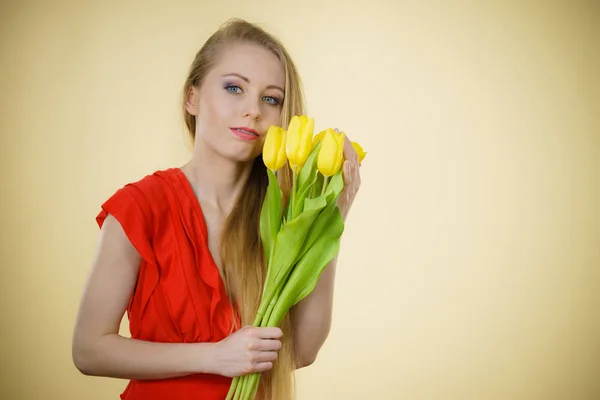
179 250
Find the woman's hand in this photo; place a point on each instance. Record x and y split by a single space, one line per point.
248 350
351 175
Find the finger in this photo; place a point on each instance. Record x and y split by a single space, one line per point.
269 333
269 345
349 152
347 173
263 366
354 154
356 171
265 356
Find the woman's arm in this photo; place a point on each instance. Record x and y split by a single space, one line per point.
97 347
99 350
311 317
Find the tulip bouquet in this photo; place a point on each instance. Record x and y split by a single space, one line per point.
301 238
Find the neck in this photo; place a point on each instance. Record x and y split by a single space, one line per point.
216 180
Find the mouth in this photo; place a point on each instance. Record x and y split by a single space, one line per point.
245 133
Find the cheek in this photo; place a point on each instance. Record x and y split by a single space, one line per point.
213 109
215 117
211 115
271 115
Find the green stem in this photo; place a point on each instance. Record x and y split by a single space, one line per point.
232 388
292 194
271 306
251 382
255 390
264 305
269 299
245 388
239 388
276 314
325 181
266 295
280 308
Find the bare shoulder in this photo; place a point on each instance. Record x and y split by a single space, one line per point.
114 247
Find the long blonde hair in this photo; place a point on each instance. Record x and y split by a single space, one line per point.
241 250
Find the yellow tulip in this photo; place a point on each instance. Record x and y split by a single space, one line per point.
331 154
274 148
318 138
299 139
359 151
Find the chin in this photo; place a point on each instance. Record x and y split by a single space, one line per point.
242 152
235 150
240 156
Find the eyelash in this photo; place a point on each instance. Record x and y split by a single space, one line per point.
276 101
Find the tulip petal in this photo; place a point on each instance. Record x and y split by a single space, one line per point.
281 155
327 154
359 151
318 138
272 148
293 139
299 139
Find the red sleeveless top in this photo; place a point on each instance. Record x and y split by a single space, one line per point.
180 296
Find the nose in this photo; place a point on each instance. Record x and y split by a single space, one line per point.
252 109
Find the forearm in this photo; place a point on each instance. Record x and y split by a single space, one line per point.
120 357
311 317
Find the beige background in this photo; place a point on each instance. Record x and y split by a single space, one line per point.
470 268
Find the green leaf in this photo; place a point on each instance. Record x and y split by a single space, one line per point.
335 186
320 225
318 256
270 215
302 197
289 240
305 181
308 171
286 249
319 202
308 278
306 273
318 186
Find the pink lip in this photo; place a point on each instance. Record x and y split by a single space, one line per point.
247 129
239 132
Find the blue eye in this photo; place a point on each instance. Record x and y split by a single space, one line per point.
272 100
232 89
235 89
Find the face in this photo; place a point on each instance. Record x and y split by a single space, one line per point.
240 98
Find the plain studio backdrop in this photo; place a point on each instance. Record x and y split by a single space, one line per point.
470 265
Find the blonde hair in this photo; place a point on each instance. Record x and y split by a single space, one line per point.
242 256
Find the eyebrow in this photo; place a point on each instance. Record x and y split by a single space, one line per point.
248 81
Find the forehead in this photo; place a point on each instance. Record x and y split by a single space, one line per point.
255 62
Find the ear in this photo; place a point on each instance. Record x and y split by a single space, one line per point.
191 101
